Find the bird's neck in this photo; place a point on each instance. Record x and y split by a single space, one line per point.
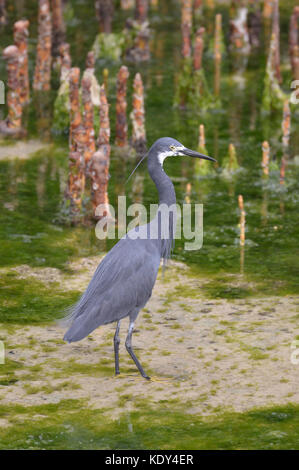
163 183
165 221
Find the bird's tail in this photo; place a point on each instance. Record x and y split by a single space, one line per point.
78 330
76 319
67 318
83 317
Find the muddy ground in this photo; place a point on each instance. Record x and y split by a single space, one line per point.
210 354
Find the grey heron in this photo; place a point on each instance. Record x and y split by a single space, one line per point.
123 282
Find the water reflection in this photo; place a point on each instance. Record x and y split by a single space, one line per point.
33 189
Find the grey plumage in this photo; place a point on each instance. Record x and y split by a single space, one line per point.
111 295
123 281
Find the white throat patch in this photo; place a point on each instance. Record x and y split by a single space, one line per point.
169 153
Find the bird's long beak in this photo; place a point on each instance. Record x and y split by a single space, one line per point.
192 153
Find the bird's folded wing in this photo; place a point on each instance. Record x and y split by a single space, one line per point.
122 282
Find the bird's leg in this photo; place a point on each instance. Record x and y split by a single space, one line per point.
131 352
116 348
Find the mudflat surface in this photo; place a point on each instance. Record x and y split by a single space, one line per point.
211 354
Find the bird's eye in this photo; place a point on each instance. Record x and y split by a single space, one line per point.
172 147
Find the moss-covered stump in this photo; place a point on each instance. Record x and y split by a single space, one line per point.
230 162
137 41
192 89
202 167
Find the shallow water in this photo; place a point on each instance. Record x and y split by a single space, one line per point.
31 190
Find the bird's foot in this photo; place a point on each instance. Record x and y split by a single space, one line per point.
161 380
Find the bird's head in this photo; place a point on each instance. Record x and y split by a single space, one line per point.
169 147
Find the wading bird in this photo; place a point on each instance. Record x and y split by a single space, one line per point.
123 282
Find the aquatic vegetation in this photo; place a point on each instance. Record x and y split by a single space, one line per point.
109 46
61 121
192 89
72 425
273 96
8 376
29 301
